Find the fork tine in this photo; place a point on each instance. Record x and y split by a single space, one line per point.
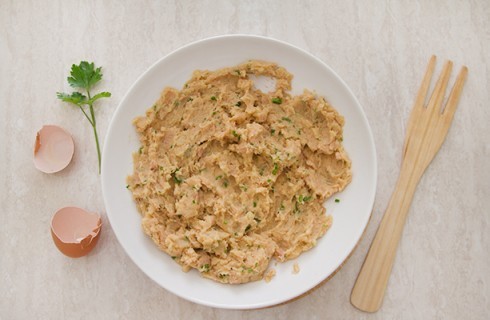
419 101
440 88
453 99
424 87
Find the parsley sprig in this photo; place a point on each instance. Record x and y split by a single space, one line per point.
83 77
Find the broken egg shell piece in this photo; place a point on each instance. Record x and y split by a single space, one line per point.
53 149
75 231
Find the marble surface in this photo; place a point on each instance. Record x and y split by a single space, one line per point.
380 48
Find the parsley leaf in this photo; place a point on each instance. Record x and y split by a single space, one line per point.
84 76
100 95
75 98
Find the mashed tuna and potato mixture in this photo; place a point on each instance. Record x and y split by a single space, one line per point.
228 177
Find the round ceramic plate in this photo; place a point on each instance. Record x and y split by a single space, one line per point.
350 215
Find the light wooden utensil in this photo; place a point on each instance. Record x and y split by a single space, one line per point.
426 131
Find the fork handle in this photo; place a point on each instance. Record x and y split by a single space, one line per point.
369 289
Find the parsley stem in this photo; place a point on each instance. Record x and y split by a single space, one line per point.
86 115
94 126
96 136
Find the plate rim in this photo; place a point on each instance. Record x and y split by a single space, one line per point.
272 302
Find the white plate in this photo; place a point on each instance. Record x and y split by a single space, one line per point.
350 215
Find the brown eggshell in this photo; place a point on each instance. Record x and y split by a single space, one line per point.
75 231
53 149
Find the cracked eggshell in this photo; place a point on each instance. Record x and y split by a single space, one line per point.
75 231
53 149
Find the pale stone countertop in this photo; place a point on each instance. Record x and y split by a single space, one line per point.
380 48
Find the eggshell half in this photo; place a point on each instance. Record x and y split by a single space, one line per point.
53 149
75 231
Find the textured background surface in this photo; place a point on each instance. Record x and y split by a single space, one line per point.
380 48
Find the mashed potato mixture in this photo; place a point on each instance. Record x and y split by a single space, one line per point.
228 176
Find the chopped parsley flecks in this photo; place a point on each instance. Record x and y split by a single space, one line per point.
236 135
302 199
276 169
247 269
277 100
177 180
296 208
205 267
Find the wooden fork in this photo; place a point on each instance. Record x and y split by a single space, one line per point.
426 131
